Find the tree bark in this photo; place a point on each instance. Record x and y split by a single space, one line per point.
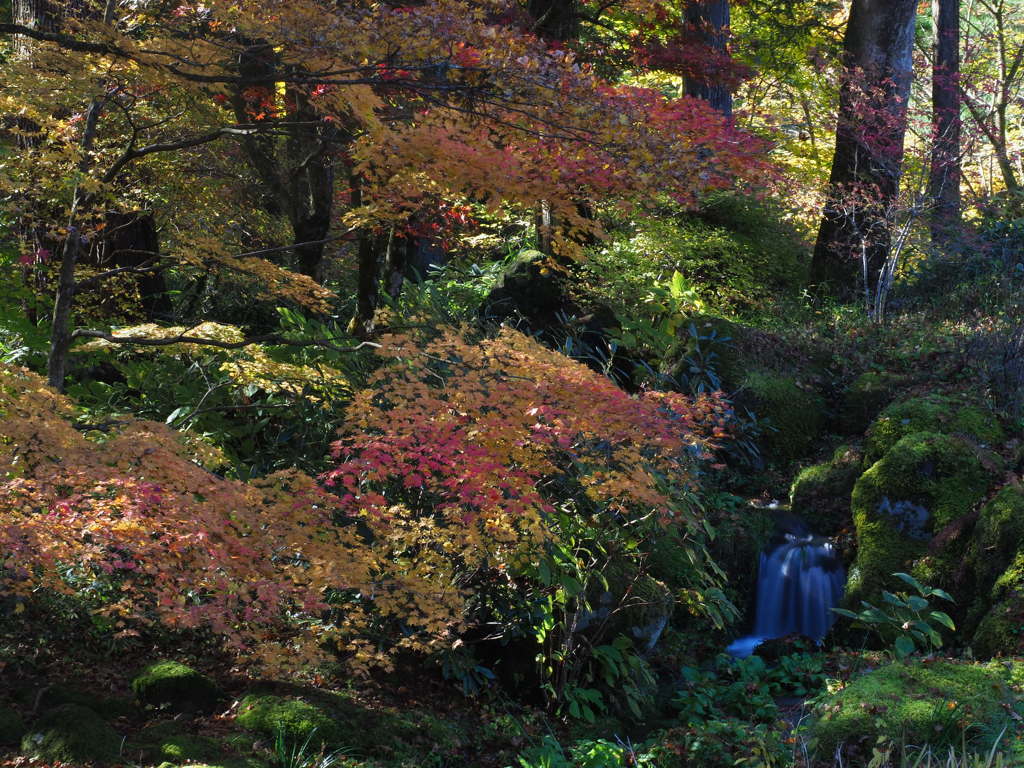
555 20
854 237
710 20
944 176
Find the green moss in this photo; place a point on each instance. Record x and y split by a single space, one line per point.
1001 631
932 413
74 734
868 394
912 702
12 728
821 493
296 719
397 736
167 741
923 483
175 685
793 417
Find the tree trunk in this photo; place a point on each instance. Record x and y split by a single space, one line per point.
131 240
555 20
944 177
710 20
60 333
853 241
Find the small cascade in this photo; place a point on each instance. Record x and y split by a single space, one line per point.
798 583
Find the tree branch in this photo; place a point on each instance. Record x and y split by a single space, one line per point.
272 339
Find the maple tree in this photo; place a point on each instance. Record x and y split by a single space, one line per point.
469 111
444 474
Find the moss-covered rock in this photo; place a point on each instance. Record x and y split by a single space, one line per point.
73 734
295 719
919 702
923 483
864 398
1001 631
997 537
167 741
176 686
793 416
58 694
932 413
820 494
12 727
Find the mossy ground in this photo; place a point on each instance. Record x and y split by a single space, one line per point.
74 734
919 702
864 398
792 416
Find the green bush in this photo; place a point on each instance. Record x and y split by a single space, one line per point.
737 253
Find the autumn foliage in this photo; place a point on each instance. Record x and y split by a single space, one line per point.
456 458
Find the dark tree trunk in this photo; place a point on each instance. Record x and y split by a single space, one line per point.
298 182
555 20
710 21
311 183
944 178
131 240
854 238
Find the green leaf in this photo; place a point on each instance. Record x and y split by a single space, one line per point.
943 594
917 603
904 646
846 613
906 577
892 599
943 619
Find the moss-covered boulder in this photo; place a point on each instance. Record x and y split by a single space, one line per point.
864 398
168 741
175 686
997 537
58 694
919 702
793 416
924 482
1001 631
73 734
931 413
820 494
12 727
295 719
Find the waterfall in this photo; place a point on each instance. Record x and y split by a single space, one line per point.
798 583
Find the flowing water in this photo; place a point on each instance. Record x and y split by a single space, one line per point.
798 583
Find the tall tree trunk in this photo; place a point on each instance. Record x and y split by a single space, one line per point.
944 177
555 20
710 20
854 237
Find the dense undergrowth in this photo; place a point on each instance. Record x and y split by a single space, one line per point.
525 545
